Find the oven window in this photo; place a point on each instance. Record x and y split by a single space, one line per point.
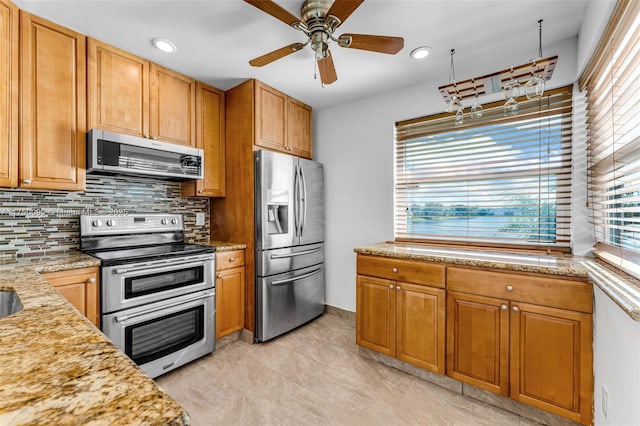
154 283
161 336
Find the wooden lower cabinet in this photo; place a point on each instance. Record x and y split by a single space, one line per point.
403 320
81 287
539 355
551 360
230 280
478 341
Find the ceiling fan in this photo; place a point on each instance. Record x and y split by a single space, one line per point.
319 20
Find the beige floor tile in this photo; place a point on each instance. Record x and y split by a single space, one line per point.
314 376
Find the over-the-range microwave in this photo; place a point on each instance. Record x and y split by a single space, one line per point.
118 154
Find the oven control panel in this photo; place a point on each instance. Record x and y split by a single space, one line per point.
130 223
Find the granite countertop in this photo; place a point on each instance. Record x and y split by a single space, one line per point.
227 246
57 368
622 288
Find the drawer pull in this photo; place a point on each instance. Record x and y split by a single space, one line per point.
516 309
91 280
218 276
503 307
391 286
509 288
394 269
397 287
232 259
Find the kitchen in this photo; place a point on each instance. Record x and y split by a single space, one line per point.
342 133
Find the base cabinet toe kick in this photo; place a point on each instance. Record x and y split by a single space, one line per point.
524 336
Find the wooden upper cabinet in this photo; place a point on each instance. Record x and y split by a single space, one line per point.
9 22
271 108
281 122
118 90
172 105
210 137
299 119
53 110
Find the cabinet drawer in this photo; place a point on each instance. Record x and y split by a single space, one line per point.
229 259
402 270
547 291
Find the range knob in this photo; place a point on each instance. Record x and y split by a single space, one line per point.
163 221
97 223
174 221
109 222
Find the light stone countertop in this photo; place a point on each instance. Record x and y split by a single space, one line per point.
57 368
622 288
222 246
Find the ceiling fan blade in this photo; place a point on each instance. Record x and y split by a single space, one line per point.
274 10
342 9
374 43
276 54
327 69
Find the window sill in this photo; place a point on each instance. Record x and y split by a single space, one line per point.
621 287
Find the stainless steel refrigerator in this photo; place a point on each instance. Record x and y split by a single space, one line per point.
289 206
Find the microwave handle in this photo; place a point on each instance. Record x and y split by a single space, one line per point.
122 318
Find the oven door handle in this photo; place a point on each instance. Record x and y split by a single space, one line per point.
300 253
299 277
156 268
122 318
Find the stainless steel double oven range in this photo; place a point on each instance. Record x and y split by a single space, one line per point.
157 292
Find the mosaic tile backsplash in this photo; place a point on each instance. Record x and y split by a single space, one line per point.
38 223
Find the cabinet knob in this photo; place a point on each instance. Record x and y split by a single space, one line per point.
155 138
232 259
391 286
397 287
27 181
394 269
509 288
218 276
145 136
503 307
91 280
516 309
200 191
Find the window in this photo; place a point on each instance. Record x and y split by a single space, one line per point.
494 181
612 83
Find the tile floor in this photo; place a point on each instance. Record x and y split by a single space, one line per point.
314 376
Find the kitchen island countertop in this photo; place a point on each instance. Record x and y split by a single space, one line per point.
56 367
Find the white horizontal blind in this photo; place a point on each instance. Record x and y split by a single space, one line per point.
612 83
497 180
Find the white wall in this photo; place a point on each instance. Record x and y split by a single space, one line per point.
355 142
594 21
617 363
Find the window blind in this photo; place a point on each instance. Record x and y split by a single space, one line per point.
494 181
612 84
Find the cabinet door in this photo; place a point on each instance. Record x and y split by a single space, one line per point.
478 341
118 90
9 94
172 106
299 119
53 113
376 314
270 124
81 288
210 138
420 326
229 301
551 360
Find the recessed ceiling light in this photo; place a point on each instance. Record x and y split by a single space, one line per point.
420 52
164 45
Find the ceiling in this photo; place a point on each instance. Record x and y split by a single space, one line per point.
217 38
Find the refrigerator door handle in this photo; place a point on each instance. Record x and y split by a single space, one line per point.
296 207
299 277
304 200
300 253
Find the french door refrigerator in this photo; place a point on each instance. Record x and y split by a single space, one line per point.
289 206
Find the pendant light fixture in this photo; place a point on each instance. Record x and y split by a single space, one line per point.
534 88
